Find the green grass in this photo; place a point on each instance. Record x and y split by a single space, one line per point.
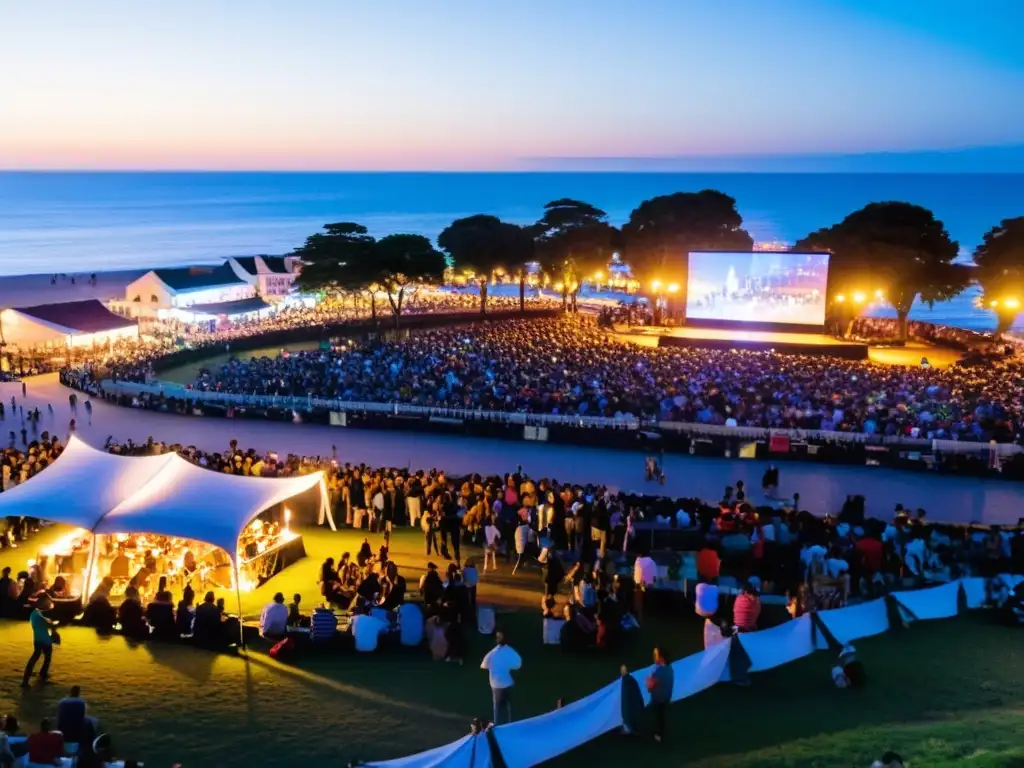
940 693
186 374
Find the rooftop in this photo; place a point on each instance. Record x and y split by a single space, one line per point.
195 278
88 316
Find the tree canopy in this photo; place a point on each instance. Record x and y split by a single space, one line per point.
663 230
573 240
345 258
897 248
401 260
482 244
1000 270
336 260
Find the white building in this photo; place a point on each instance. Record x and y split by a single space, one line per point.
73 323
161 291
271 276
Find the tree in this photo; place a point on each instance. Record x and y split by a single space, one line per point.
482 244
662 231
898 248
401 260
339 260
573 240
1000 270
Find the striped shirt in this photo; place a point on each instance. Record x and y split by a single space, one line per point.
745 612
323 625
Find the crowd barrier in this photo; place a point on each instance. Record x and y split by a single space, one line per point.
529 742
819 435
631 423
395 409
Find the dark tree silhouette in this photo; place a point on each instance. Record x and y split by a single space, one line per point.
573 240
482 244
1000 271
899 248
398 261
662 231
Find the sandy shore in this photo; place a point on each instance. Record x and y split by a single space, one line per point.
31 290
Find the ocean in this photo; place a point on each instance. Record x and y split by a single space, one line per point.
85 222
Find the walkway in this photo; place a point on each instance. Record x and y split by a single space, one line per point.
822 488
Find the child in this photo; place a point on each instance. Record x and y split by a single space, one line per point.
492 536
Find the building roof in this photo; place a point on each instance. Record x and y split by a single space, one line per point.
274 264
239 307
89 316
196 278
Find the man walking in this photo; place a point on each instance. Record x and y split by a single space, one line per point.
499 662
42 641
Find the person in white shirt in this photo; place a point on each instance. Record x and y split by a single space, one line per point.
274 619
500 662
645 573
522 545
492 536
366 630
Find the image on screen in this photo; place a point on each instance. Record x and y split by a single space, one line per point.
758 287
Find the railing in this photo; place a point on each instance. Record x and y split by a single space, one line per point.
820 435
168 389
395 409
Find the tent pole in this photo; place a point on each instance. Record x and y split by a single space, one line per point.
238 595
87 593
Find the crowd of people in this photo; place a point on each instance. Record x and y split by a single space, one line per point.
73 734
570 365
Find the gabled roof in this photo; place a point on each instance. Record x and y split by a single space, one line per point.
196 278
247 263
89 316
239 307
274 264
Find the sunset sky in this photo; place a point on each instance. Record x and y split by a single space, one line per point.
454 84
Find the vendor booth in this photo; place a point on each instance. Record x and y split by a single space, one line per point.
137 519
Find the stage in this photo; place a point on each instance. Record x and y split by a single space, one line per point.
759 341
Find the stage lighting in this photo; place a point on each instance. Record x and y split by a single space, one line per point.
673 287
1012 302
656 284
859 297
840 298
993 304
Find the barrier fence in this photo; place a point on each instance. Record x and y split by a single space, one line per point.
694 430
529 742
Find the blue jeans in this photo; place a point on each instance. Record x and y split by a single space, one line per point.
502 705
40 649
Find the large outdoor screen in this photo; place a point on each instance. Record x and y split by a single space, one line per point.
757 287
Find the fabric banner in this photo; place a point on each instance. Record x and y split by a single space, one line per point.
770 648
530 742
856 621
699 671
468 752
974 591
934 603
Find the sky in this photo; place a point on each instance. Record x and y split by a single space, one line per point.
530 84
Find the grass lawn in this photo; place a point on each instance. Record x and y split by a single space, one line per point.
939 693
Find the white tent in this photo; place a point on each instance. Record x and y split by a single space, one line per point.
163 495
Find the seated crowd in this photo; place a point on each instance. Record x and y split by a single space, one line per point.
570 365
74 734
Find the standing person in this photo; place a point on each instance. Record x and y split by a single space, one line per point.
429 525
24 390
660 685
770 481
500 662
42 641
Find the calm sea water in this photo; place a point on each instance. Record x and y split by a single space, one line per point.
83 222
